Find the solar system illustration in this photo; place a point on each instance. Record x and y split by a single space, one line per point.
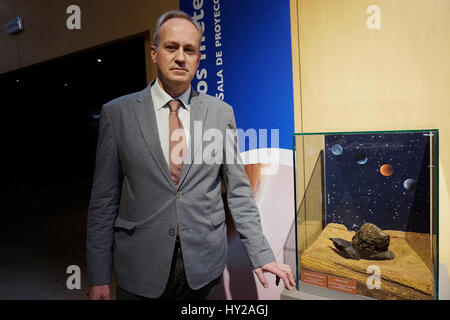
381 178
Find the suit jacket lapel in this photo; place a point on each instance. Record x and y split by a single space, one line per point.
145 113
198 113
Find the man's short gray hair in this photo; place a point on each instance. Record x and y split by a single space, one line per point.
170 15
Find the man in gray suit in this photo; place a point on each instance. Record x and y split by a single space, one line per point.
156 211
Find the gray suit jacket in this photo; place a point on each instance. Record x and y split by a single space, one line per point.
135 208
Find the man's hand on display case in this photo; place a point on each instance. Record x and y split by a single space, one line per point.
280 270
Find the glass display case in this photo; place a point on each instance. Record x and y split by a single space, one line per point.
367 213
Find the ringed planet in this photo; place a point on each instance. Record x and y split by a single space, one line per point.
386 170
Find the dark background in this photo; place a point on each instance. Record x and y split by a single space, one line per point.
48 134
358 193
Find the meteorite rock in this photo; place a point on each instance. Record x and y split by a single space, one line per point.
346 248
369 242
370 237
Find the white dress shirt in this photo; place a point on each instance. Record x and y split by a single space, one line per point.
162 111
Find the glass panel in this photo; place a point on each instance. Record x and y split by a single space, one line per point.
434 207
366 212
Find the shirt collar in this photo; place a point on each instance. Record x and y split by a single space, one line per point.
161 98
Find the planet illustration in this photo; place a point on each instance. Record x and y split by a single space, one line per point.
361 158
337 150
386 170
410 184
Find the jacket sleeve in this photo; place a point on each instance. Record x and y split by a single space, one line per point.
103 206
241 202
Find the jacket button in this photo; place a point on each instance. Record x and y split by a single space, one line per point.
179 195
171 232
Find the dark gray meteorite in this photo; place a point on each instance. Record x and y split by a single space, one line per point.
369 242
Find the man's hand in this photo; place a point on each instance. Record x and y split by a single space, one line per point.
282 271
100 292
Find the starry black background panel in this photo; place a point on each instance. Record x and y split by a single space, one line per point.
381 178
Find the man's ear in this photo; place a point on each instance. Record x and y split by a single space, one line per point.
153 53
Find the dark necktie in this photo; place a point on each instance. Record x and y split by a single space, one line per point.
177 142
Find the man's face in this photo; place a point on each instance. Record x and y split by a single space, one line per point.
177 56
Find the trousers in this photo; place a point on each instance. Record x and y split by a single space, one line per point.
177 287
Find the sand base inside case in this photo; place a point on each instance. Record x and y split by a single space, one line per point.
407 276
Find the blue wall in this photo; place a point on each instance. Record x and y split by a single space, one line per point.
255 44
